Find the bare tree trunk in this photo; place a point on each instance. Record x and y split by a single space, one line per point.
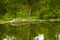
29 38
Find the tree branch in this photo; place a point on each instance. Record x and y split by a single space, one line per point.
29 21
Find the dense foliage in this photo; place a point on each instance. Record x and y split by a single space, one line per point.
37 9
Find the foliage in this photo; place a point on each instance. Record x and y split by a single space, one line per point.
20 9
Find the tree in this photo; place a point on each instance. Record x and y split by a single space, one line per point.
29 10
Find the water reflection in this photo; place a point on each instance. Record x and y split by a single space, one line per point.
58 37
39 37
9 38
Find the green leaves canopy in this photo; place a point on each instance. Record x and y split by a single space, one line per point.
40 9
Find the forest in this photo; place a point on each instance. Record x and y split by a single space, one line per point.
25 19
